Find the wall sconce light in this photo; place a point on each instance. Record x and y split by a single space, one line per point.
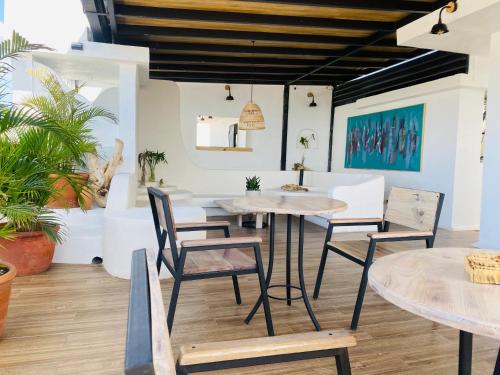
313 103
440 27
228 88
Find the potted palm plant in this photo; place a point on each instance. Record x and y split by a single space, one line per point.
63 108
7 274
151 159
252 186
28 230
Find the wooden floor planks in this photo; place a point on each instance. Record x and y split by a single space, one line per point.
72 319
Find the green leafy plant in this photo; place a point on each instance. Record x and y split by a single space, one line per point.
150 159
305 141
24 182
253 183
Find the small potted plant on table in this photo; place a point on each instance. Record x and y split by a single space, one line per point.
252 186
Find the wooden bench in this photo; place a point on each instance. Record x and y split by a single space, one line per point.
149 350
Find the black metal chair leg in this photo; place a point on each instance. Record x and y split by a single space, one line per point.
301 275
173 304
263 291
429 243
362 285
236 287
342 362
322 263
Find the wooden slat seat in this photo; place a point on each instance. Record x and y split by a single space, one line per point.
214 261
263 347
358 249
400 234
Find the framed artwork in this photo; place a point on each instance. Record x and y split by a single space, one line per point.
390 140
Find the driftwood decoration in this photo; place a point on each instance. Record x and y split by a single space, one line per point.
101 175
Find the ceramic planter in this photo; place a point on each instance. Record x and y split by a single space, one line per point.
29 252
252 193
5 287
66 196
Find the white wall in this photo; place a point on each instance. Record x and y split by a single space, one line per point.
300 117
210 99
450 150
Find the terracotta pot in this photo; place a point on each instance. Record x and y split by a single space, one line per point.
29 252
5 287
65 196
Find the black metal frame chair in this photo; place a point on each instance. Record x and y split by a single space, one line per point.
149 350
415 209
175 260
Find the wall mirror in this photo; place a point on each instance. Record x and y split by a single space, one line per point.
220 134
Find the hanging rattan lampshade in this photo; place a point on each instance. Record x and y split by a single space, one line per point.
251 117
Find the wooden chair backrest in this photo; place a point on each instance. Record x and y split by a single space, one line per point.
417 209
148 349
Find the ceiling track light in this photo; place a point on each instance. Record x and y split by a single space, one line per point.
440 28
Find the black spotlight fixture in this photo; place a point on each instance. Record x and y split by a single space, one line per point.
228 88
313 103
440 27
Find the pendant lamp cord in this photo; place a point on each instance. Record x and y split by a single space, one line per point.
251 86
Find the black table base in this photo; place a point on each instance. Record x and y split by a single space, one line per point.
288 285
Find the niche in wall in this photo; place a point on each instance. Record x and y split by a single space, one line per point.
220 134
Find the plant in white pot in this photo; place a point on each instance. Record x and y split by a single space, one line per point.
253 186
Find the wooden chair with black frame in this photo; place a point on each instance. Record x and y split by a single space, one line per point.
417 210
204 259
149 350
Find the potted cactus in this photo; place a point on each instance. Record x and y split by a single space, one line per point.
252 186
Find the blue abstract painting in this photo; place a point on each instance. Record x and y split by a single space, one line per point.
386 140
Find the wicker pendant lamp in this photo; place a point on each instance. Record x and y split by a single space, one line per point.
251 117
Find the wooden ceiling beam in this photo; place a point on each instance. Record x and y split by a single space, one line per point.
159 14
219 60
169 46
166 67
419 7
250 36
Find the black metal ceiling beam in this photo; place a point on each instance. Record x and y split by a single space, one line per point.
96 13
345 73
442 65
368 5
249 76
167 47
421 65
251 36
350 51
253 19
110 6
233 80
229 61
196 77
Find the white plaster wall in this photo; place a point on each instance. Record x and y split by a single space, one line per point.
209 99
55 23
450 150
300 117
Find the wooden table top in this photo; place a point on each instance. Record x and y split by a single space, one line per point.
228 205
433 284
293 205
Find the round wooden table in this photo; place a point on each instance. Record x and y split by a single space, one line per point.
289 205
433 284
